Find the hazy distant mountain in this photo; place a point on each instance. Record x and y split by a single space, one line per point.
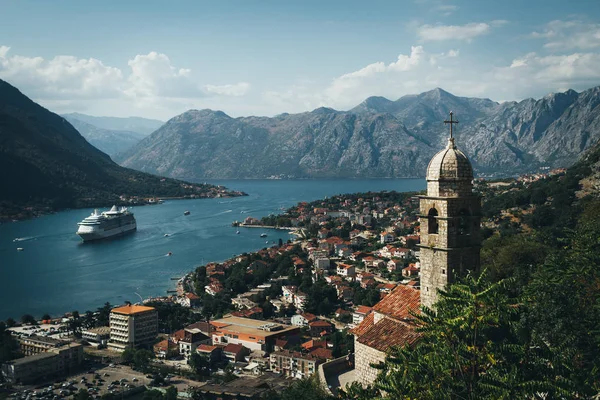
46 163
130 124
109 141
378 138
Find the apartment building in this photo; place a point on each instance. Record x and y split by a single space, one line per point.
132 326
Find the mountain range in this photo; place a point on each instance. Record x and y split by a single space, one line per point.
110 134
377 138
48 165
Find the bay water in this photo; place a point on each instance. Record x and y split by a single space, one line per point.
57 273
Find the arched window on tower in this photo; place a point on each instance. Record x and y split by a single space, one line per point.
464 228
432 223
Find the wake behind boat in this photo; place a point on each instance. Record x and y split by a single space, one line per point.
107 224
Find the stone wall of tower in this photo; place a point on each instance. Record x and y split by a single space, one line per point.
454 249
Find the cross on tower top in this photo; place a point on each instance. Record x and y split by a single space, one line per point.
451 122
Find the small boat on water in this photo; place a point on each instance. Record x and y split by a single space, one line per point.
263 235
19 249
169 254
186 212
237 232
166 235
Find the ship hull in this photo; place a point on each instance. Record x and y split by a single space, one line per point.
89 235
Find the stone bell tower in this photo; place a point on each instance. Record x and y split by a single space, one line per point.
450 216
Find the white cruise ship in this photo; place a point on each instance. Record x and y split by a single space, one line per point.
104 225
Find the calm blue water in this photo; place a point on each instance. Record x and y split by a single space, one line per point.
57 273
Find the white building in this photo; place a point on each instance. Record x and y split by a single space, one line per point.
131 326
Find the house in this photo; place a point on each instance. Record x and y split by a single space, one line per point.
300 300
322 263
213 288
314 344
303 319
176 336
191 340
346 270
189 300
288 293
322 354
211 352
395 265
235 352
360 313
410 271
165 349
386 287
293 364
254 313
320 328
339 312
367 283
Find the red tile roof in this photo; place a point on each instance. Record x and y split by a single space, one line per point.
387 333
309 317
324 354
233 348
363 309
320 323
364 326
206 348
400 302
314 344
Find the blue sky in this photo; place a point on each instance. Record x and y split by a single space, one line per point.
158 59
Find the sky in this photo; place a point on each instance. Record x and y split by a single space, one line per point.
157 59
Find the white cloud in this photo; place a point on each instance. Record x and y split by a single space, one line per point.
238 89
453 32
446 9
150 82
568 35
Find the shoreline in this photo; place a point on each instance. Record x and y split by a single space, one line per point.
28 213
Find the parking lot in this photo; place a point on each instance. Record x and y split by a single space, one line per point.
116 379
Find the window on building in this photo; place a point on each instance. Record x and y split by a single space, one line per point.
432 223
464 227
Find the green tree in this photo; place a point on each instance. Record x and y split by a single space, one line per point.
28 319
200 365
153 395
471 349
46 317
171 393
10 322
141 359
127 355
82 394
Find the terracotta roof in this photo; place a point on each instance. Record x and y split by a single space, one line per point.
313 344
191 296
363 309
320 323
364 326
281 343
164 344
309 317
233 348
178 335
387 333
206 347
322 353
131 309
400 302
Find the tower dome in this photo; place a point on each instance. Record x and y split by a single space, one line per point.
449 173
450 163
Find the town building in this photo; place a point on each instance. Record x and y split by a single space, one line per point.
302 319
132 326
44 365
192 338
31 345
293 364
100 334
251 333
165 349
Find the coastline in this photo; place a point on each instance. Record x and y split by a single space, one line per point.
31 212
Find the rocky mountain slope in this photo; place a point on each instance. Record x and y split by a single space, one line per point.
378 138
48 165
109 141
